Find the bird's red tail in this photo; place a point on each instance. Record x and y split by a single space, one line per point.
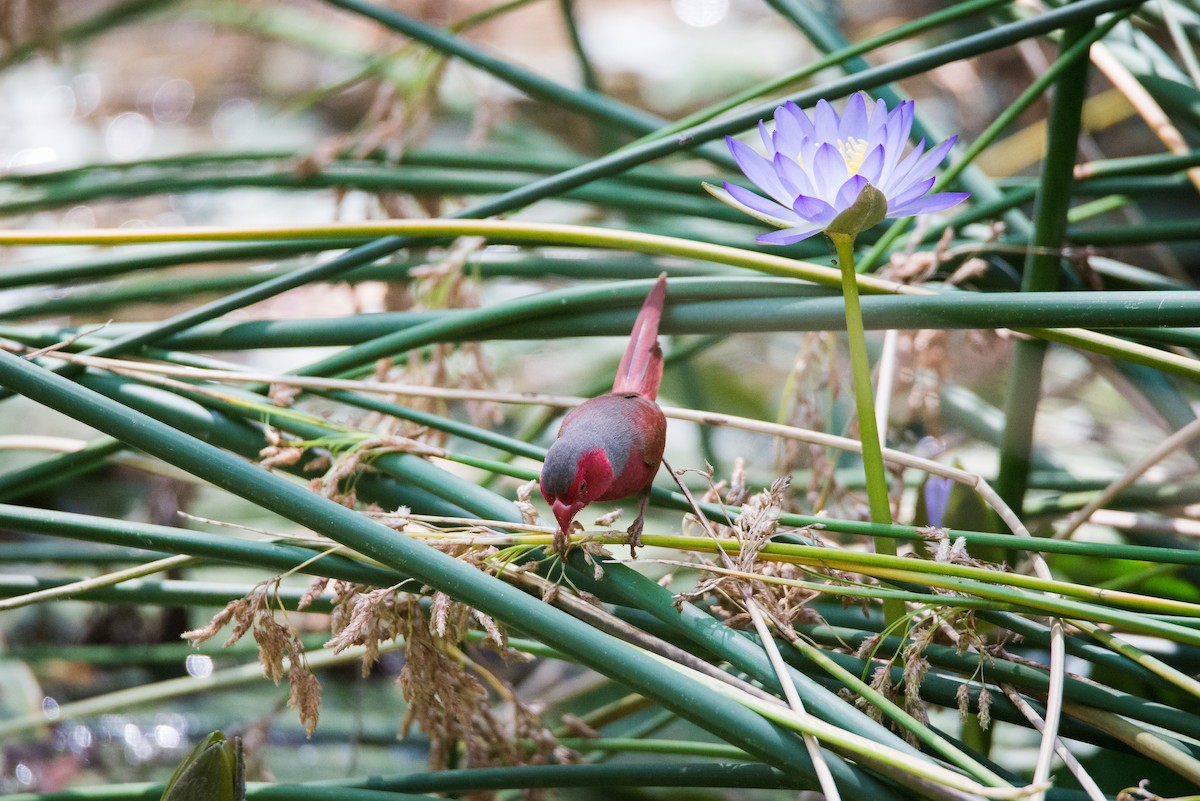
642 365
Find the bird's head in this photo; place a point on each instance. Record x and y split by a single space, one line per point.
573 478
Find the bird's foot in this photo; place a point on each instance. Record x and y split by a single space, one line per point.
633 536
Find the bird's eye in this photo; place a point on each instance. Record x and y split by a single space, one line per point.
582 487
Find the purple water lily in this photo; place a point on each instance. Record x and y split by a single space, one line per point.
817 167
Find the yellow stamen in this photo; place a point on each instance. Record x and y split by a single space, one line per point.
854 151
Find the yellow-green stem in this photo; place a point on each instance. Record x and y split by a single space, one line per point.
864 398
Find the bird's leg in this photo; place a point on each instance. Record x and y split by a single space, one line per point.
634 532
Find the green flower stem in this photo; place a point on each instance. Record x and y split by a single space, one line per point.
255 791
623 774
1148 742
864 398
497 231
1152 164
1052 606
1042 268
101 265
878 564
485 264
258 162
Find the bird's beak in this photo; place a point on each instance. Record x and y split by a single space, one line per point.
564 514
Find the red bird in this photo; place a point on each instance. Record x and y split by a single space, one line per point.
610 447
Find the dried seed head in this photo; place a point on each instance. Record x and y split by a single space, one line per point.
963 698
274 642
313 592
985 708
283 394
737 483
607 519
305 695
594 554
209 630
758 521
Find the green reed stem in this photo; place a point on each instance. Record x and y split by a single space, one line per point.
864 398
1042 268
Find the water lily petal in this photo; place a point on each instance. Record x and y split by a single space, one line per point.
768 138
813 209
929 204
758 169
910 193
825 119
849 191
808 153
854 118
872 165
793 175
877 124
792 126
760 208
895 136
902 117
828 171
788 235
929 162
903 175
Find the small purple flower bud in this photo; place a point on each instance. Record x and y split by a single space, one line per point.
937 498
